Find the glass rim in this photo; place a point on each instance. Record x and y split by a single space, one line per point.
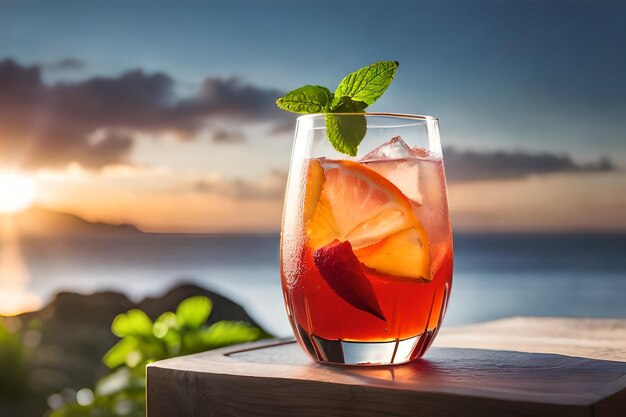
420 117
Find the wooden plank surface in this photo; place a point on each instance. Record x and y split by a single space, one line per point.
512 367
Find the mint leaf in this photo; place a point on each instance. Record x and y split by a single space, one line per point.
347 105
306 100
345 132
355 92
368 83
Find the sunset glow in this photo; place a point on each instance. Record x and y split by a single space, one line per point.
17 192
14 277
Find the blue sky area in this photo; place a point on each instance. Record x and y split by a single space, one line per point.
522 77
531 75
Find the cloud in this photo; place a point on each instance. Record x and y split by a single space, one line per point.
270 187
232 96
51 125
556 203
228 137
94 122
109 145
461 168
164 200
145 180
286 126
464 166
64 64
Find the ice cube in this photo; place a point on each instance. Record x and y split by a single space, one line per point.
399 163
395 148
421 153
403 173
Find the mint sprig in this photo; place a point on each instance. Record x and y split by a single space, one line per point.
354 94
345 133
368 83
306 100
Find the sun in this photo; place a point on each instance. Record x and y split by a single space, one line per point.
17 192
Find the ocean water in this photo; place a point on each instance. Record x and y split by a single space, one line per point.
495 276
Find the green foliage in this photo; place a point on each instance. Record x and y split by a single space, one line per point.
346 132
367 84
122 392
13 364
133 323
193 312
347 105
306 100
355 92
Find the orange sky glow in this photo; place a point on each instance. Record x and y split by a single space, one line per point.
158 200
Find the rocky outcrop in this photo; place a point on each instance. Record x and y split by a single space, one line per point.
69 336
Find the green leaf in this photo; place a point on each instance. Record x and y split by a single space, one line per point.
116 356
194 312
14 364
134 322
347 105
163 324
226 332
306 100
345 132
368 83
168 319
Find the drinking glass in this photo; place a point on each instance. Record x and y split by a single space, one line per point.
366 242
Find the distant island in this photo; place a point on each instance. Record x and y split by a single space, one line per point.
42 222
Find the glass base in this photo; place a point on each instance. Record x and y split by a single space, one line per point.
350 352
341 352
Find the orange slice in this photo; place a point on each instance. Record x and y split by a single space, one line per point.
403 254
315 181
346 201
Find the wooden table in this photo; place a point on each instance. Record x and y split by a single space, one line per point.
512 367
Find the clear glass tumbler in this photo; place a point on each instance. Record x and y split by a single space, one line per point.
366 243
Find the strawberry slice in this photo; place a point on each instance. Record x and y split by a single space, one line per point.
341 269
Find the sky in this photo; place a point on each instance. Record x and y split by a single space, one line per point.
162 114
